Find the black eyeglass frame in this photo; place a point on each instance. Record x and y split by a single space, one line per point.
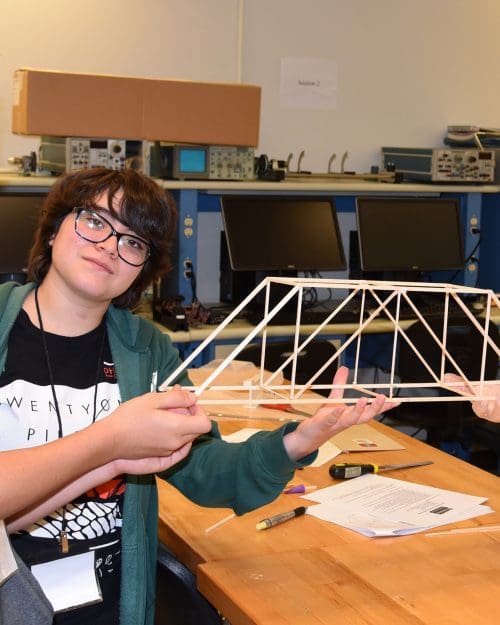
78 210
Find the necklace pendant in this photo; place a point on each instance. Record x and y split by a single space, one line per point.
63 542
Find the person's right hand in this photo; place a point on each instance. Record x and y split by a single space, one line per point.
156 425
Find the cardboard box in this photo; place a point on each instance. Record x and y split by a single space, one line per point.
93 105
206 113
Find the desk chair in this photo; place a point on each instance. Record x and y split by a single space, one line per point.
487 434
178 601
309 360
445 422
15 277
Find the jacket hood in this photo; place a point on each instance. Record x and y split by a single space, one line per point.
132 330
12 296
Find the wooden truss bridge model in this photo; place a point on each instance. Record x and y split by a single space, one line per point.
388 298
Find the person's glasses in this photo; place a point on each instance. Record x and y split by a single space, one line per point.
91 226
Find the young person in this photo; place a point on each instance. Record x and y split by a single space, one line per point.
79 374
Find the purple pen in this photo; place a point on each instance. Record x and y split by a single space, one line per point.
300 488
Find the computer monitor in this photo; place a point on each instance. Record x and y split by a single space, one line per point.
271 235
19 214
282 235
403 237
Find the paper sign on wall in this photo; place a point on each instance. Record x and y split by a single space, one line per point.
308 83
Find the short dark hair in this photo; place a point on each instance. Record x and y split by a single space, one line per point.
145 208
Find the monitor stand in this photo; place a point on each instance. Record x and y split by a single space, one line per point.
277 293
235 285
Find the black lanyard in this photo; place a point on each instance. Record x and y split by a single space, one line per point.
49 367
63 537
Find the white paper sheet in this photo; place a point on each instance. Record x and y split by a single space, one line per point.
240 436
69 582
326 452
380 506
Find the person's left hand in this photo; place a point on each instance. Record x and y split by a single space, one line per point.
157 464
330 419
484 409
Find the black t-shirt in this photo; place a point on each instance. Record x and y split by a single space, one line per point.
28 417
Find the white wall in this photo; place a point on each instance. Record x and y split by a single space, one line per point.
406 69
189 39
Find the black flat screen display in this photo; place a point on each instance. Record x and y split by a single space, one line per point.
19 214
283 234
409 234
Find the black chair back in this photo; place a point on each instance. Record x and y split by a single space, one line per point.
310 359
444 421
178 601
464 342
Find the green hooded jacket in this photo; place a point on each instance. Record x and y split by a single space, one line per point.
241 476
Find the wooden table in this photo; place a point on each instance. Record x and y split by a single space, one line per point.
310 572
379 582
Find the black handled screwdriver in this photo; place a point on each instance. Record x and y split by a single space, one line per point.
345 471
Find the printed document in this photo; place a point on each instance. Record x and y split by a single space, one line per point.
381 506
